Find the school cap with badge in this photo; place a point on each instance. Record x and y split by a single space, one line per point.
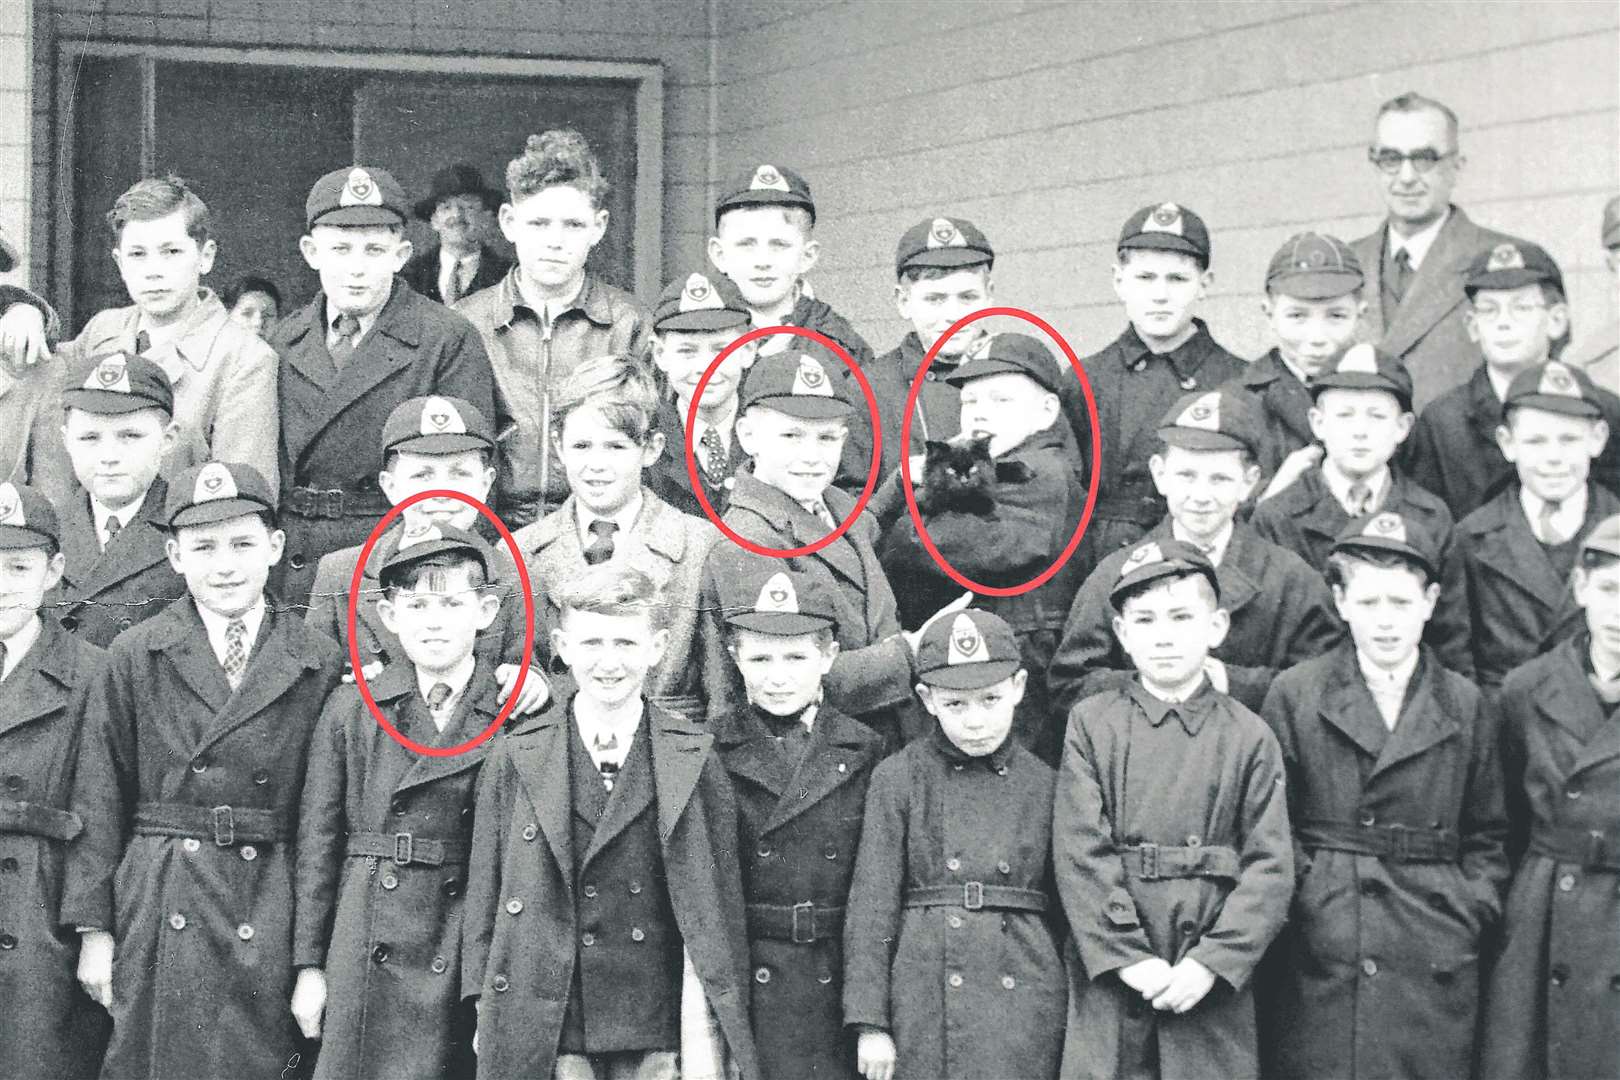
944 243
1001 354
1553 387
765 185
1366 367
1156 560
968 651
1394 534
1604 539
1314 266
118 383
1511 265
797 384
1213 420
425 540
769 600
356 196
217 491
27 519
1166 227
700 302
436 425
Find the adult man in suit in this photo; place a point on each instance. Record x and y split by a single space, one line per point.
1414 261
460 209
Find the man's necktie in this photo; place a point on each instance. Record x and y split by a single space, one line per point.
143 343
714 453
818 510
1547 531
600 549
1401 275
437 695
348 335
1359 499
607 767
112 529
235 652
454 284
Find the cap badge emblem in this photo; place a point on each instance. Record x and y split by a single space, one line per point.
1505 257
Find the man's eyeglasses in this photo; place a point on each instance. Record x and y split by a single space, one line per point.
1423 160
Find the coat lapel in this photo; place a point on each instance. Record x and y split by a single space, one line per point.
183 640
838 748
1287 397
137 548
791 525
475 711
750 752
631 795
678 750
1240 570
1423 723
306 351
540 758
1347 706
1570 704
1512 553
277 662
1434 290
40 684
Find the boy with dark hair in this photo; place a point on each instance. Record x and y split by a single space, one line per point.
952 966
383 832
764 241
1171 841
697 317
1396 796
550 312
1361 413
800 769
1515 554
1549 1011
195 744
604 932
1279 608
1161 273
54 1032
365 343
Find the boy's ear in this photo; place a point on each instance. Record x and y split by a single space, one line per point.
55 566
402 254
829 654
1431 597
717 254
746 354
559 646
1316 416
1050 409
599 229
658 353
812 252
278 545
506 218
1156 469
1266 306
1404 426
388 615
171 435
489 606
745 433
171 548
206 255
1471 324
1557 321
1118 622
902 294
926 696
1504 439
1220 624
312 253
660 644
385 482
1206 281
1251 480
652 449
1597 438
1020 682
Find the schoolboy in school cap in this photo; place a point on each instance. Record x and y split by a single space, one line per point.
972 649
1611 222
943 243
1604 537
1166 227
1002 353
765 185
1212 420
1157 559
426 540
1366 367
774 601
117 383
795 383
1553 387
1511 265
700 302
27 519
1314 266
358 195
217 491
436 425
1392 532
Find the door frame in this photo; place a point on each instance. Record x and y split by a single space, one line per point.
647 77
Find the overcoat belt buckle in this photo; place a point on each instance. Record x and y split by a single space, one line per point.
224 826
973 895
804 923
402 849
1400 842
1148 854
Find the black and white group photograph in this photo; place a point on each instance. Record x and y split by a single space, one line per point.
809 540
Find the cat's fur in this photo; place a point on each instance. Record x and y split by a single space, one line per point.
961 475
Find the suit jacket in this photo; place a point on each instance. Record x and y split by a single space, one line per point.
422 271
104 593
1428 333
666 545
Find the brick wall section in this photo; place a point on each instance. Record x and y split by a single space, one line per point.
675 33
15 128
1047 124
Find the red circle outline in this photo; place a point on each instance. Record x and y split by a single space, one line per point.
1096 456
877 443
354 643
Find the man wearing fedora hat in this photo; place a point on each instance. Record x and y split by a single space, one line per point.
459 209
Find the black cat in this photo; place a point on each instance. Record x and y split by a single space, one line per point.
961 475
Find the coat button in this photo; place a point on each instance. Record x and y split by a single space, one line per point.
70 623
587 940
635 888
390 882
397 806
1369 967
954 980
513 906
825 979
1008 982
500 984
438 965
7 941
1566 883
1573 793
125 623
590 892
1367 818
830 852
376 648
1557 975
248 852
191 843
637 934
177 921
763 851
955 922
1003 867
245 932
530 832
953 864
261 776
380 954
297 561
452 888
1194 841
199 765
1187 926
957 767
762 975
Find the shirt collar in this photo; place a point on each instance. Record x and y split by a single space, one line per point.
18 644
457 680
995 760
1191 711
1288 366
548 309
1418 244
100 513
589 730
216 624
1185 359
1381 680
174 333
470 259
1216 548
625 518
366 321
1340 484
1568 517
1499 382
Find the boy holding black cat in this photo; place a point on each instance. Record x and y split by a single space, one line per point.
1003 518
